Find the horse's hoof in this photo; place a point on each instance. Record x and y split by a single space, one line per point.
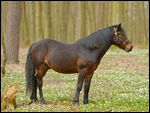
75 102
33 101
42 102
85 102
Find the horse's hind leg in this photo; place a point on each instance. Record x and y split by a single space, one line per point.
39 78
40 84
34 93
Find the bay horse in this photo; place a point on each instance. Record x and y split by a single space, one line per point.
81 57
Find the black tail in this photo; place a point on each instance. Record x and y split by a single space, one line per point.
30 73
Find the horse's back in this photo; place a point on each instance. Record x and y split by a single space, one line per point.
39 49
59 56
42 46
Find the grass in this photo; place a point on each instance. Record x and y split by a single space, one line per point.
119 84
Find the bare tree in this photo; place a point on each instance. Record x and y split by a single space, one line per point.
13 31
69 21
3 70
3 45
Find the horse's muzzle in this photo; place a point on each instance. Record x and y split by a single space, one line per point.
128 47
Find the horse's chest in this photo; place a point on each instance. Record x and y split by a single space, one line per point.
93 67
88 62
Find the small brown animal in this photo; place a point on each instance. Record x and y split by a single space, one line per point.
8 98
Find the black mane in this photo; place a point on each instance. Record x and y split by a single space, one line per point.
96 39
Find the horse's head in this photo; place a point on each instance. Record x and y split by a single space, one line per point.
120 39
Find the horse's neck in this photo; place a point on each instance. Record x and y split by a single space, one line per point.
105 46
99 42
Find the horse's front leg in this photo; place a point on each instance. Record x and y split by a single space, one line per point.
79 87
87 83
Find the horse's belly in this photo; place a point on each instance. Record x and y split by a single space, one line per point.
63 59
66 71
64 68
63 65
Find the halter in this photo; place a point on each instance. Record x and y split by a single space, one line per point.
123 42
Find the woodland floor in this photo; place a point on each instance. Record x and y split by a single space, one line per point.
120 83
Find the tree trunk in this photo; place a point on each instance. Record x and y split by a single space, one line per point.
3 45
13 31
45 19
80 20
4 55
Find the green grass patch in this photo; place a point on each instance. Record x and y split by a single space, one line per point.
113 89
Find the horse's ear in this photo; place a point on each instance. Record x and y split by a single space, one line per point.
119 26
